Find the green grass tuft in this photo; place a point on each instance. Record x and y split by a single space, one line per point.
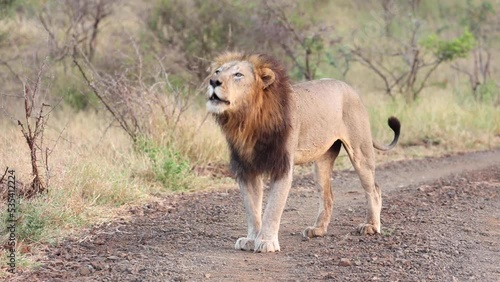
169 166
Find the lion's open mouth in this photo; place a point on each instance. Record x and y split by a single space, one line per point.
215 98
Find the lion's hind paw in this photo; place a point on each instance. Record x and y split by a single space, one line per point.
311 232
367 229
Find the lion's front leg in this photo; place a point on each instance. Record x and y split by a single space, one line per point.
267 239
251 191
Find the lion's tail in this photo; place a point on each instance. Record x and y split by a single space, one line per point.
395 125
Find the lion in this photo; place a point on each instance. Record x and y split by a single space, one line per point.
271 125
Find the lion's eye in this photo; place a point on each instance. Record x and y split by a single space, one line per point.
217 71
238 74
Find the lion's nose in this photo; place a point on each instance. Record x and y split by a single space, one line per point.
215 83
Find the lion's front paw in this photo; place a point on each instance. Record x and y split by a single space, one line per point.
368 229
311 232
245 244
267 246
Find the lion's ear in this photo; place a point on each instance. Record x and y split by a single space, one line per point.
267 77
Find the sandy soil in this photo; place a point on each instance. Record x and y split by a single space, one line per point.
440 222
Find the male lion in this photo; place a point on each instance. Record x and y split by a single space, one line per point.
271 125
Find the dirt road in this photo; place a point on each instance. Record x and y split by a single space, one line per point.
440 221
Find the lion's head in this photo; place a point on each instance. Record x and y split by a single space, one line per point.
236 81
250 97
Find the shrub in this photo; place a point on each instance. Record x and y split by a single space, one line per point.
448 50
169 166
199 29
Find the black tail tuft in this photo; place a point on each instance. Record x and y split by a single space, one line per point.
394 124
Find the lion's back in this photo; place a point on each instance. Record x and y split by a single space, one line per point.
324 97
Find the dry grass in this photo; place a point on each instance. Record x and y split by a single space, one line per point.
440 119
93 178
196 136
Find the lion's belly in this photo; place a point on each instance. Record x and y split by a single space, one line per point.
303 156
318 117
313 143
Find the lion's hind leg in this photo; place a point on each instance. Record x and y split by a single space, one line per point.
323 172
363 159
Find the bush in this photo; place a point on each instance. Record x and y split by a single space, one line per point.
199 29
77 100
488 92
31 222
169 166
449 50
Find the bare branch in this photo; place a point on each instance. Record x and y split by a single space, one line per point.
132 99
11 70
367 62
5 173
101 97
424 81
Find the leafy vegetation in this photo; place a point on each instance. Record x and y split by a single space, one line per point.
448 50
169 166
